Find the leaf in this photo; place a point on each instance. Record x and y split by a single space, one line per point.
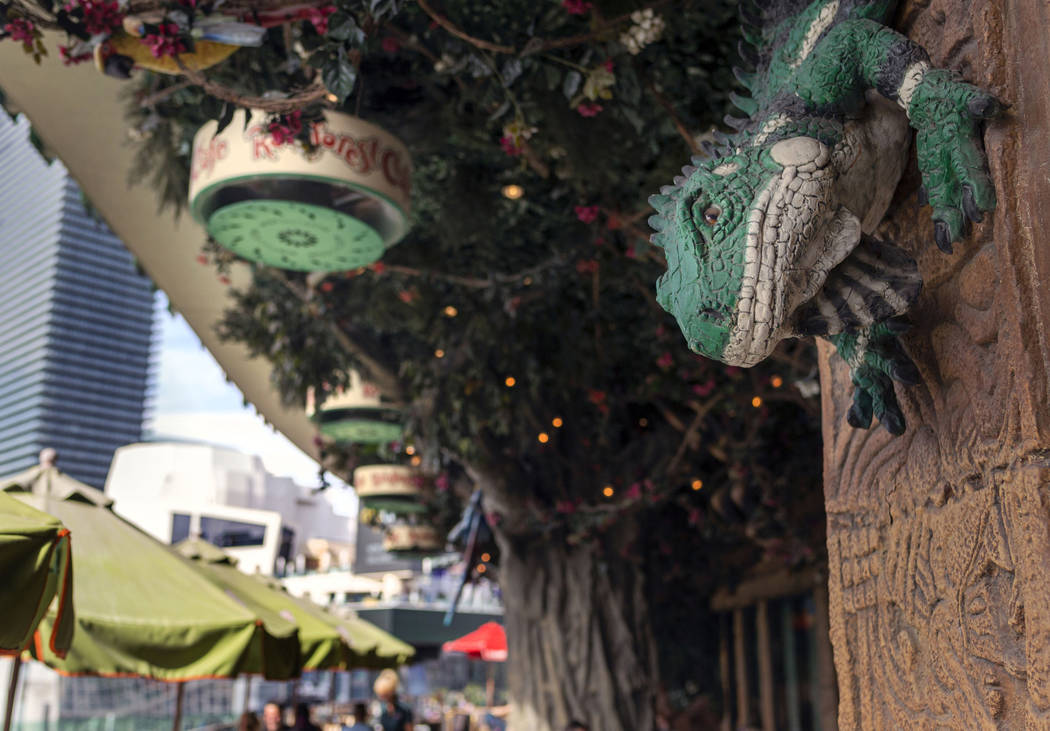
511 71
634 118
226 117
339 76
571 84
340 26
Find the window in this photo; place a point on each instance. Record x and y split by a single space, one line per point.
180 527
231 533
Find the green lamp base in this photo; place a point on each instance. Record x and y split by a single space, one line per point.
297 236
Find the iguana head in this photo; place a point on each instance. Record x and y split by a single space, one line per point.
748 238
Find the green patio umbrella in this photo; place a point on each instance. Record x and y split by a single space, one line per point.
36 567
142 609
327 642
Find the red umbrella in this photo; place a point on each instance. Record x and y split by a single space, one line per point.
488 642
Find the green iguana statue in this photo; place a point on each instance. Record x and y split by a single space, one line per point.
768 238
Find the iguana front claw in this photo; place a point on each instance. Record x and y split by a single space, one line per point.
948 116
876 359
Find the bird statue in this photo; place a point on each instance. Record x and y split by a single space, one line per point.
215 39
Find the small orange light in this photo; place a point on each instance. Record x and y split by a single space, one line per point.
776 381
643 422
331 97
416 461
486 557
756 401
450 311
439 353
510 381
544 437
697 484
556 422
608 491
410 449
513 192
527 281
481 568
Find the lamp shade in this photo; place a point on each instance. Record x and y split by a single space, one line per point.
338 205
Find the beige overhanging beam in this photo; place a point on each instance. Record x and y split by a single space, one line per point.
78 113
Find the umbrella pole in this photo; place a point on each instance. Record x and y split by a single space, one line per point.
179 693
490 687
9 710
247 693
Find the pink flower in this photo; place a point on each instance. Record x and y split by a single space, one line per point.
694 516
202 259
576 7
391 44
99 16
70 60
634 491
599 241
165 42
510 146
406 296
441 482
587 214
565 506
20 29
733 370
587 266
589 109
705 388
378 267
286 127
493 518
319 17
665 360
607 64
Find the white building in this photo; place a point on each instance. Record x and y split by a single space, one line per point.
174 490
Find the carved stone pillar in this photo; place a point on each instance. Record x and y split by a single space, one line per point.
939 540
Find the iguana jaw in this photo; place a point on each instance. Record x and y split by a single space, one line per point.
789 249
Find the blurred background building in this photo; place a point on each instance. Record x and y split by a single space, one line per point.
76 321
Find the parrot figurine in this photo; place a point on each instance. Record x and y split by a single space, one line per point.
215 40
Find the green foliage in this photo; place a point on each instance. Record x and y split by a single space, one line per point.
553 289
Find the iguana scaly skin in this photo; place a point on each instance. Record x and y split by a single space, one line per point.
768 237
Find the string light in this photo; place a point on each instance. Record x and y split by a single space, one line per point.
416 461
608 491
509 381
556 422
756 401
697 484
643 422
486 557
439 353
527 281
450 311
332 98
776 381
481 568
543 437
410 449
513 191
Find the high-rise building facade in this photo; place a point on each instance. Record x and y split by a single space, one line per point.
76 321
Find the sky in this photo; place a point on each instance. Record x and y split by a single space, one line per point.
194 402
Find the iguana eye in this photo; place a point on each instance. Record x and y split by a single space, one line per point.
711 215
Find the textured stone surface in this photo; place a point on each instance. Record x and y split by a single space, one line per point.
939 540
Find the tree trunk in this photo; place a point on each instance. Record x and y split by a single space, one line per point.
579 640
938 540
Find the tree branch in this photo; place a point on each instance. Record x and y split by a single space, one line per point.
689 138
536 45
313 93
383 378
454 30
